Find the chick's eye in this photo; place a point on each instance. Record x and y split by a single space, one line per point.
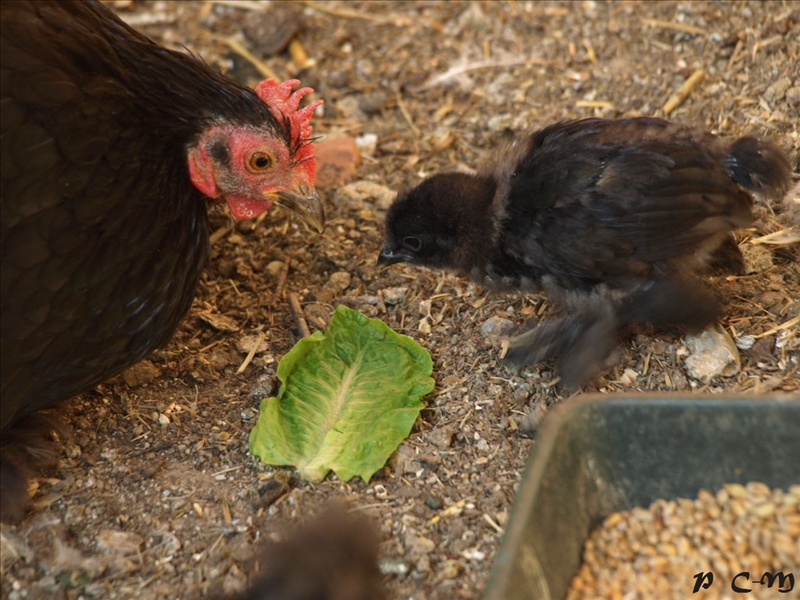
259 162
412 243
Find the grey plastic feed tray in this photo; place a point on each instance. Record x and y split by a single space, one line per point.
596 455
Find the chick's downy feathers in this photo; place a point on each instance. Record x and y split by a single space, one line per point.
614 219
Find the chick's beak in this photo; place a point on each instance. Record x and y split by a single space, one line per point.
306 203
392 256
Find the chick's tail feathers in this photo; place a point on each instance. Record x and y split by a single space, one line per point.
759 166
26 447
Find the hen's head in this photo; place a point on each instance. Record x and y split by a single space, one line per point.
256 167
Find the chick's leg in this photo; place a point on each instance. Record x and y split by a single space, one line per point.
579 344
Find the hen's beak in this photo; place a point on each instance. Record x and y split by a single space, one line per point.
390 256
305 203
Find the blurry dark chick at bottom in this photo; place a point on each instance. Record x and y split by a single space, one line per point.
615 220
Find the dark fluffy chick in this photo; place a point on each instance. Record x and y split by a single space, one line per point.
613 219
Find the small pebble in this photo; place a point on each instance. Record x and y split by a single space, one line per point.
434 502
360 193
495 327
793 96
712 352
337 160
418 545
339 281
367 143
141 373
533 417
745 342
393 566
246 343
628 377
757 258
474 554
424 326
372 103
777 91
274 268
394 295
122 543
441 437
450 569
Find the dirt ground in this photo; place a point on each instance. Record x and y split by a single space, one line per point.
157 496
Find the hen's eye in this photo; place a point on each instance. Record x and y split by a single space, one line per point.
413 243
259 162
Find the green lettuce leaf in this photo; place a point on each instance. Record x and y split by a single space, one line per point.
348 397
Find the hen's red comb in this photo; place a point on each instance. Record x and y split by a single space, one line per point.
283 103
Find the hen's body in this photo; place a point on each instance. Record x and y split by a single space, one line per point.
613 219
85 295
104 235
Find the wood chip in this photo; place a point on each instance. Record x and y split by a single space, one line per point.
299 56
249 358
684 91
407 115
790 324
779 238
237 47
297 313
594 104
672 26
219 321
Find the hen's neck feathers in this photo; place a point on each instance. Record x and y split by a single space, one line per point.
174 92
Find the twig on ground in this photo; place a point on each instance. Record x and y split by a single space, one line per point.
684 91
297 313
237 47
681 27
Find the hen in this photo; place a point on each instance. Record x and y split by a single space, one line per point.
110 146
613 219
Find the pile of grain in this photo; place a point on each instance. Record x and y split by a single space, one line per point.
657 552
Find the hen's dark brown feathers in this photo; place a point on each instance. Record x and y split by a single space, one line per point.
103 234
609 217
